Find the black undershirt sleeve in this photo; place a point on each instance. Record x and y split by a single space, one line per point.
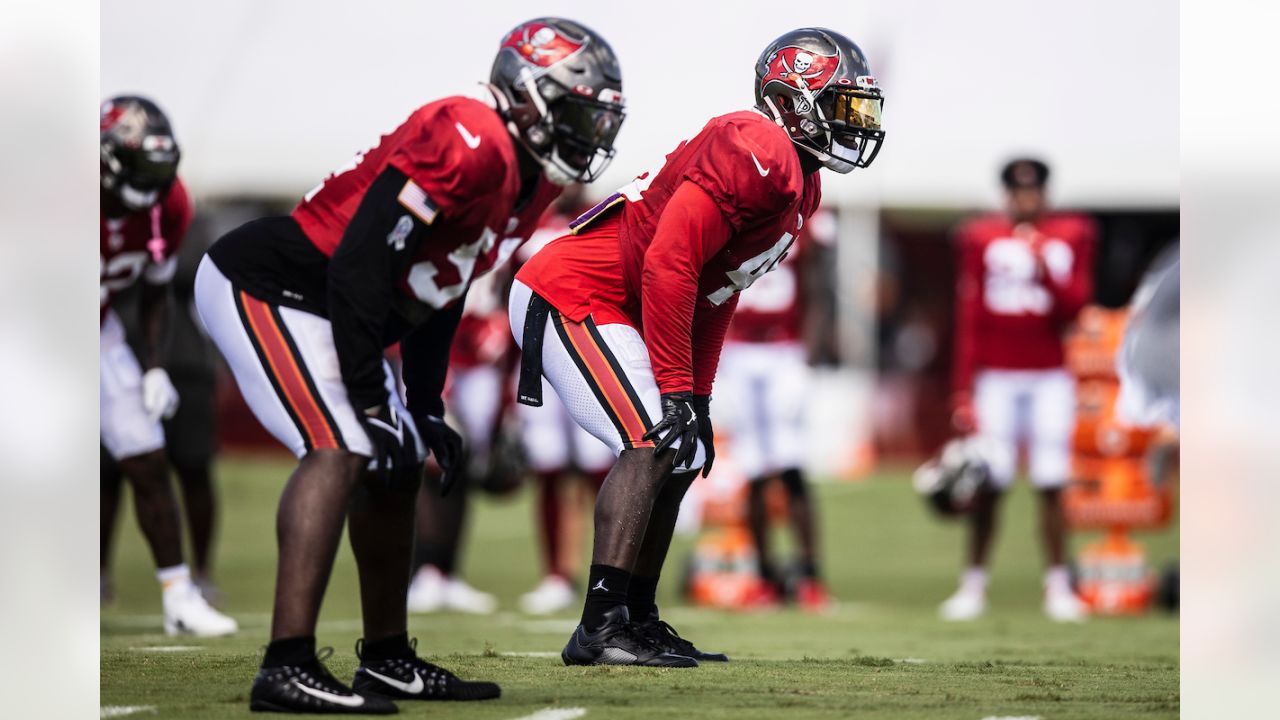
362 278
425 354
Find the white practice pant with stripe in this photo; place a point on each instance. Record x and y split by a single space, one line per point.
286 366
602 375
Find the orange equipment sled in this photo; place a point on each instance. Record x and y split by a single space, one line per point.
1113 489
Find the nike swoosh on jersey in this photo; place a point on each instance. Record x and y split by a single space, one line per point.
413 688
472 141
759 167
346 700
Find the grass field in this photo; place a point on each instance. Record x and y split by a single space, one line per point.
881 654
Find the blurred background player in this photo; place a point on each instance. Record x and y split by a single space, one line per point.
145 214
479 364
764 373
567 462
190 435
1023 277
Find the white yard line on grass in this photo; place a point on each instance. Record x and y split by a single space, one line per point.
166 648
1012 717
548 654
115 711
555 714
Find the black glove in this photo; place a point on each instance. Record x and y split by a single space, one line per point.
702 406
395 453
446 444
679 422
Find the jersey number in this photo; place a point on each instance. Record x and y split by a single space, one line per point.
119 272
422 276
747 273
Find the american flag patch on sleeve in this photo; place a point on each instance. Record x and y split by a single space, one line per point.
415 200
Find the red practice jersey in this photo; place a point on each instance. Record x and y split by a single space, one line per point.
1018 289
461 162
143 245
612 269
773 309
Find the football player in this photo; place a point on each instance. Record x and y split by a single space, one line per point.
302 307
1024 275
145 214
765 371
625 317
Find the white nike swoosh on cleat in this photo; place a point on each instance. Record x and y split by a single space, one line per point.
413 688
346 700
759 167
472 141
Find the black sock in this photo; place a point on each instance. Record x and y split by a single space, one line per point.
809 569
290 651
388 648
606 590
641 596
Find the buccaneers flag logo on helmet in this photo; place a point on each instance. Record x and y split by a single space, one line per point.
801 68
540 44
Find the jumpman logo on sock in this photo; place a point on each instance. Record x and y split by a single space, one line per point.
600 586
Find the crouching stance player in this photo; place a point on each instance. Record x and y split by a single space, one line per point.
302 307
625 317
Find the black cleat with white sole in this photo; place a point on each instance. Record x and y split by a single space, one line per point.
412 678
661 634
309 688
618 642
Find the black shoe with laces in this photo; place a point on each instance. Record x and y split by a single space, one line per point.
618 642
309 688
412 678
661 634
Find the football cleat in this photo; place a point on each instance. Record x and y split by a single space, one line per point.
812 596
1064 606
552 595
660 633
618 642
412 678
426 592
461 597
965 604
764 596
310 688
186 612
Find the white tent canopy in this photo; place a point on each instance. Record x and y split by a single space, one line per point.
269 96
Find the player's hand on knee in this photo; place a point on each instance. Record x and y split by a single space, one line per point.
702 406
159 396
446 445
679 422
395 452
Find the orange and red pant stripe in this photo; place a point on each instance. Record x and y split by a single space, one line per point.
288 374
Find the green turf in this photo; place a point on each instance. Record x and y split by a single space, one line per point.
881 654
